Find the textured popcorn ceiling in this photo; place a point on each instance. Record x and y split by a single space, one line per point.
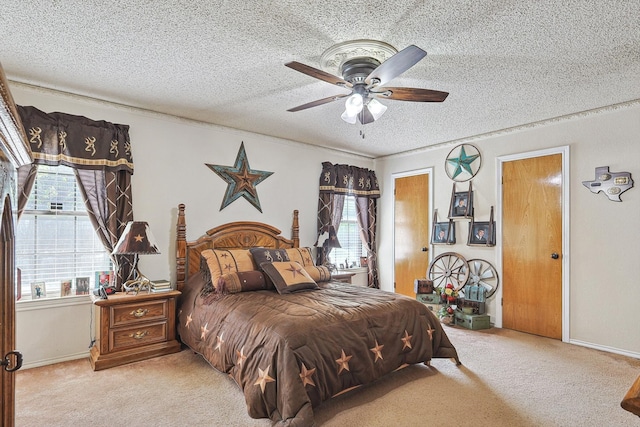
504 63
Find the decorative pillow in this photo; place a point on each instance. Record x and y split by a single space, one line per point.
288 276
221 261
261 255
243 281
303 256
318 273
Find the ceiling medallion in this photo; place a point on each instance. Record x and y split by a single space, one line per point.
332 59
463 162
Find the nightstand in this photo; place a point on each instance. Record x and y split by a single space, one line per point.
342 277
130 328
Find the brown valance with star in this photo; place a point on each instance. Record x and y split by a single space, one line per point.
76 141
348 180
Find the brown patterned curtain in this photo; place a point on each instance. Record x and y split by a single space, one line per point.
100 154
338 181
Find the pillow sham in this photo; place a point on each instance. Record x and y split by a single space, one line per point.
303 256
261 255
288 276
223 261
319 273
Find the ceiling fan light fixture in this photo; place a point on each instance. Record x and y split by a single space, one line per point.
353 107
376 108
364 67
354 104
351 119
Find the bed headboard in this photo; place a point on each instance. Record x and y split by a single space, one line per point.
233 235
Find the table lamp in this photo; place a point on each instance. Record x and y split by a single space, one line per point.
136 239
327 239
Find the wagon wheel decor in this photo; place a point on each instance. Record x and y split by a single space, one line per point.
449 267
482 273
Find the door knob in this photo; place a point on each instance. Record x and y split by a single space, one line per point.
6 362
555 255
424 249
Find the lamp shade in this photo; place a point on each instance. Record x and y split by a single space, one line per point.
136 239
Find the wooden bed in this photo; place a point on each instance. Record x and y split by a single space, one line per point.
289 352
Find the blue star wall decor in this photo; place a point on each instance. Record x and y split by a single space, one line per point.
463 162
242 180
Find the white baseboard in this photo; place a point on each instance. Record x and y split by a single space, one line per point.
38 363
606 348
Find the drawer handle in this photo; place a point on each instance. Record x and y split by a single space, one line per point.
139 335
139 312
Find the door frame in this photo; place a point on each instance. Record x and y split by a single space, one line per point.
565 201
397 175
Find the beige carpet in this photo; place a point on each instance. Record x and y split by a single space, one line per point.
507 379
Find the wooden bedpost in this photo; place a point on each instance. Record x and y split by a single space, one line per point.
295 231
631 401
181 248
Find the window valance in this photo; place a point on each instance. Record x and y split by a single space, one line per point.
76 141
348 180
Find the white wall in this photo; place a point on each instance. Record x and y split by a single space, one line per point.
604 235
169 156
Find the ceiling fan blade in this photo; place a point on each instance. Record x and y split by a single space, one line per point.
365 116
410 94
318 102
318 74
396 65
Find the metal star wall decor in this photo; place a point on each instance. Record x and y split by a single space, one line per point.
463 162
242 180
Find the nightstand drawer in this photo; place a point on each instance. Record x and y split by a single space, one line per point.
133 327
137 336
129 314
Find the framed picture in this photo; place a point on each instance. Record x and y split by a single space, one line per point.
444 233
38 290
82 285
482 233
363 261
65 287
461 204
103 278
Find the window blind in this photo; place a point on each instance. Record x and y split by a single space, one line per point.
55 240
349 237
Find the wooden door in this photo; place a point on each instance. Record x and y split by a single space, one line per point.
14 152
7 314
532 245
411 231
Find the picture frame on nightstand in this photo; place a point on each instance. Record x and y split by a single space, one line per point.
103 278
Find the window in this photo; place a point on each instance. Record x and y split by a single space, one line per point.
55 241
349 237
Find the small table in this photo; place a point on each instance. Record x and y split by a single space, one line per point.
131 327
342 277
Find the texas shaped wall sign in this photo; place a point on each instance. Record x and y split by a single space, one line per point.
613 184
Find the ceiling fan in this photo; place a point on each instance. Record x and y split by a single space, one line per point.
367 77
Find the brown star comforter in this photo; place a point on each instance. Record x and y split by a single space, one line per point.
289 353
